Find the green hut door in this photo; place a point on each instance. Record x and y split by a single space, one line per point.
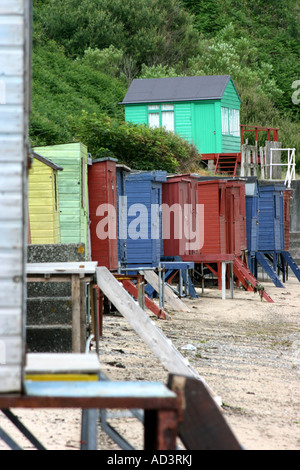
205 127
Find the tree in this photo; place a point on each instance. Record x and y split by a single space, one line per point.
149 31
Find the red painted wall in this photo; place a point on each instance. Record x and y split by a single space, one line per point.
212 195
236 217
102 184
181 190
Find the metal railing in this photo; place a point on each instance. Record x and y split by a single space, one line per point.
290 164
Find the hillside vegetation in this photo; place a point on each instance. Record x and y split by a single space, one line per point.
87 52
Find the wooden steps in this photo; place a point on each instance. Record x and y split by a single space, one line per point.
247 279
226 164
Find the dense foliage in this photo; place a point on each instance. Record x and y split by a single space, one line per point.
138 146
87 52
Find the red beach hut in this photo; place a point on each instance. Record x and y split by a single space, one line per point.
182 191
102 183
212 194
236 217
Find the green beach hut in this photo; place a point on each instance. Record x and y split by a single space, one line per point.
204 110
72 190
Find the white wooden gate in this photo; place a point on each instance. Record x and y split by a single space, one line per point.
15 81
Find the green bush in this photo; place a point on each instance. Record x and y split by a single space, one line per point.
138 146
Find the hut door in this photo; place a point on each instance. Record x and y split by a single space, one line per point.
156 225
230 222
113 201
237 224
186 230
205 127
254 226
222 207
277 221
234 223
287 210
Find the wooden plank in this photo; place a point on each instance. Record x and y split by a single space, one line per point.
11 148
102 388
62 363
11 31
11 264
170 297
160 430
158 343
57 268
76 304
11 294
10 322
63 377
11 120
12 7
55 278
11 350
11 62
83 318
11 206
10 379
203 426
131 288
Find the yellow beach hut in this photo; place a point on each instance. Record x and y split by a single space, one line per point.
43 201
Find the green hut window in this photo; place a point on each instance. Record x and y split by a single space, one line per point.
230 121
161 115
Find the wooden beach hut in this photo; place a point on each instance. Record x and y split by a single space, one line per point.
236 237
204 110
122 171
72 190
43 197
212 194
179 199
225 231
102 181
144 220
268 230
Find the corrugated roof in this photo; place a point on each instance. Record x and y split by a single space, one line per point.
147 90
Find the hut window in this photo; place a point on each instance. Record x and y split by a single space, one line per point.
167 117
230 121
154 120
161 116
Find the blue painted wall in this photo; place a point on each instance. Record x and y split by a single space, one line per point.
252 214
271 218
144 188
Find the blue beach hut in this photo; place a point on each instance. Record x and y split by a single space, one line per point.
265 230
252 213
144 221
